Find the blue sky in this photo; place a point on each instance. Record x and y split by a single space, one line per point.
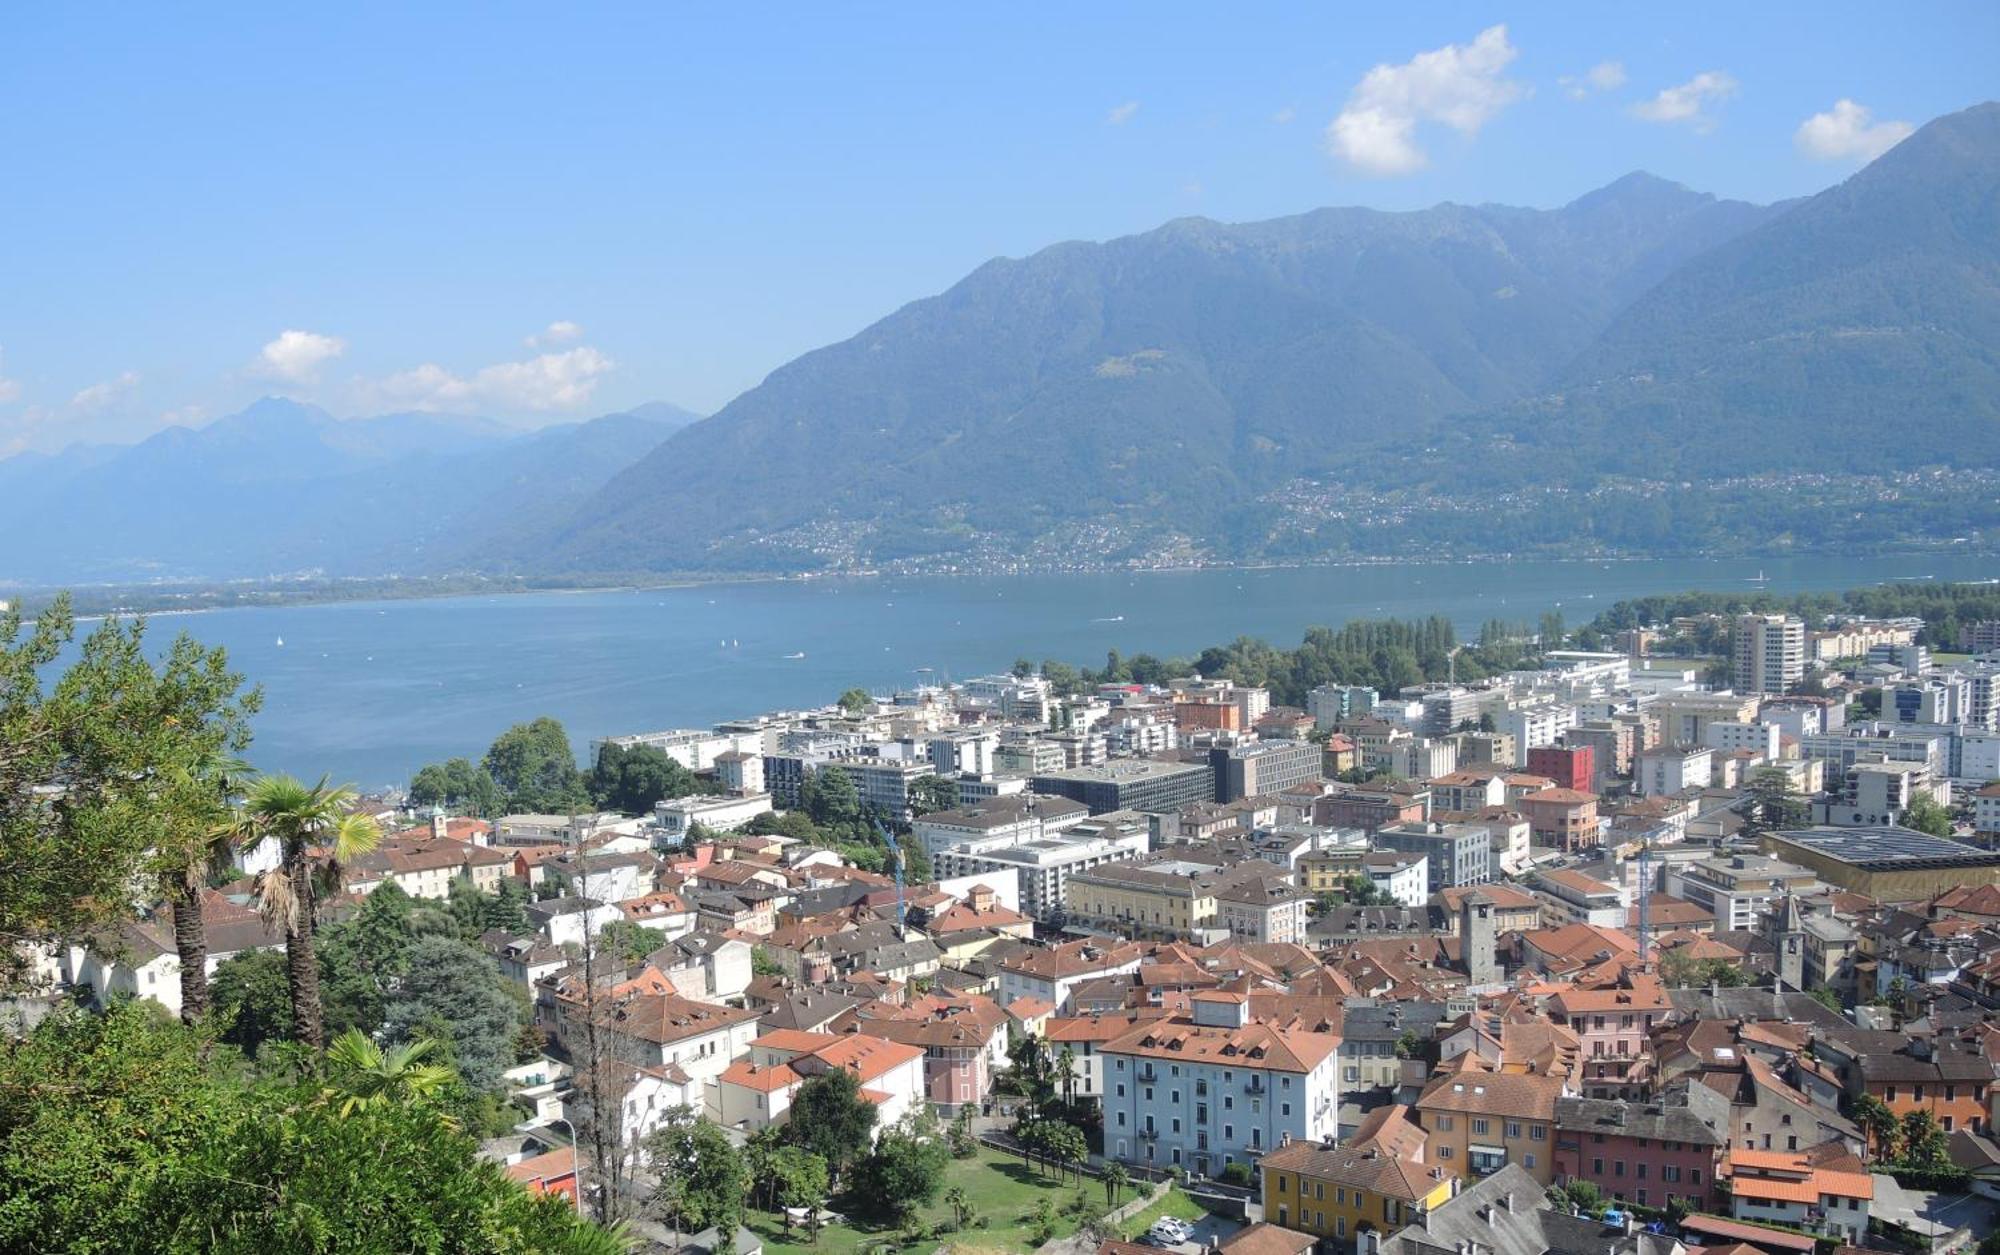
545 212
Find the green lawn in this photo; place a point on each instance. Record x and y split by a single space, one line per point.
1003 1191
1172 1203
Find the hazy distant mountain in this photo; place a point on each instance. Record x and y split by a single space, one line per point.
1860 330
283 486
1172 372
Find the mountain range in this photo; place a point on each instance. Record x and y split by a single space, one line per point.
284 487
1166 383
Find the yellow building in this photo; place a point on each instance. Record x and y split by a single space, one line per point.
1479 1122
1336 1192
1329 870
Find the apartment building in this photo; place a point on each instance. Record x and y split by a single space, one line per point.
1480 1122
1214 1087
1768 652
1042 867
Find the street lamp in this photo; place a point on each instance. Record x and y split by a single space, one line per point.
576 1156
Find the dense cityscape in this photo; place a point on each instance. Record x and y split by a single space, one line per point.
1687 938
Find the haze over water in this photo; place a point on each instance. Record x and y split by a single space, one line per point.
369 691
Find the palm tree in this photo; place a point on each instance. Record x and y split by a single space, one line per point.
363 1075
960 1203
1067 1062
196 849
305 820
1116 1178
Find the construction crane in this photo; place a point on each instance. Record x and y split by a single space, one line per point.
895 865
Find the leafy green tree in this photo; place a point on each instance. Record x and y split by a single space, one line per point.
622 941
929 794
302 818
854 701
535 769
116 1135
799 1179
457 784
1884 1131
631 779
701 1170
1925 815
118 733
831 1119
1826 997
831 799
454 992
251 1001
762 964
1774 802
1925 1143
905 1171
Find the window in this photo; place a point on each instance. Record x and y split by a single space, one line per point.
1694 1175
1479 1128
1284 1109
1340 1195
1444 1124
1121 1119
1538 1132
1597 1167
1284 1187
1639 1170
1121 1089
1513 1128
1528 1160
1444 1152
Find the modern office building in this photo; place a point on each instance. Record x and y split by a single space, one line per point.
1458 854
1258 768
1135 784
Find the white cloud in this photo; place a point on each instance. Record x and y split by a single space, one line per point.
1690 101
296 356
100 395
1605 76
1459 85
1285 116
1848 132
561 331
550 381
1122 114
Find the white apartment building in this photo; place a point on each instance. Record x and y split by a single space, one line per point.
1534 724
1404 877
1769 652
693 748
1216 1088
1002 821
1043 865
1672 768
675 816
1759 738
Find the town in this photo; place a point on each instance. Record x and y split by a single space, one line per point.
1617 949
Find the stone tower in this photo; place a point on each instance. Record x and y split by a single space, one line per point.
1479 939
1788 939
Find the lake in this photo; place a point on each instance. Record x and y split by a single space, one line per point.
369 691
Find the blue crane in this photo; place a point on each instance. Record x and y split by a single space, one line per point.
896 865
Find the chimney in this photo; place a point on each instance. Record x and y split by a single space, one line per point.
1507 1202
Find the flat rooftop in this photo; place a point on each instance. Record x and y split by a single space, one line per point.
1125 771
1888 848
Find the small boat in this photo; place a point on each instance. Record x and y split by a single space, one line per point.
733 642
281 642
800 654
1116 618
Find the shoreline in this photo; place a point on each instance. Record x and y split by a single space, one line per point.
99 602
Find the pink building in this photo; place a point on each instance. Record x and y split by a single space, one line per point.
1615 1028
1649 1153
964 1038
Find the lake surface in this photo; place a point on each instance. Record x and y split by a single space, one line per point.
370 691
